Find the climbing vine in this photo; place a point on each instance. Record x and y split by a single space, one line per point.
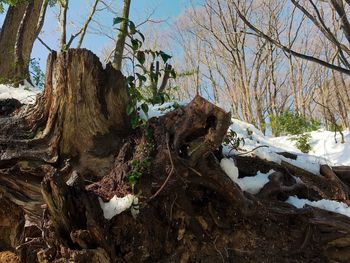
147 84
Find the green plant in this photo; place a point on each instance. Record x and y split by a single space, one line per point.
143 83
38 76
134 174
291 123
302 142
7 2
15 2
250 133
233 140
143 163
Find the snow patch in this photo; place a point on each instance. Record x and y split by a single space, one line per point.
253 184
158 110
329 205
324 148
116 205
25 94
250 184
229 168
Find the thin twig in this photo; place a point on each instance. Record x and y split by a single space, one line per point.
44 44
171 208
217 250
170 173
240 154
32 240
195 171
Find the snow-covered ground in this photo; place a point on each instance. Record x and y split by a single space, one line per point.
26 94
324 144
325 150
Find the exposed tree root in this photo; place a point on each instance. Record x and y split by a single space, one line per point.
69 150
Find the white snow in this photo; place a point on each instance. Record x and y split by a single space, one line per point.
324 148
116 205
250 184
158 110
329 205
230 168
253 184
24 93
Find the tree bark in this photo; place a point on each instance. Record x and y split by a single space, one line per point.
119 48
62 157
17 37
81 116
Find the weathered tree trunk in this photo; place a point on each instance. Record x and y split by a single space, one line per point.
18 33
79 120
74 149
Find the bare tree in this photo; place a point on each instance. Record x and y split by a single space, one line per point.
21 27
314 11
244 68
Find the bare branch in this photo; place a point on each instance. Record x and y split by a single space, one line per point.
44 44
85 26
289 50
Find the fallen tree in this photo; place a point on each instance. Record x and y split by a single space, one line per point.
62 158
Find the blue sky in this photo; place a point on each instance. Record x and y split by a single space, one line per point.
78 10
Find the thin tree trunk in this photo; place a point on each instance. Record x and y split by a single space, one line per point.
119 49
63 24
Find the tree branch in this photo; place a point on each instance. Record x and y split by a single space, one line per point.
286 49
85 26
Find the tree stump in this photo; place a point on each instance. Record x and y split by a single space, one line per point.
78 121
61 157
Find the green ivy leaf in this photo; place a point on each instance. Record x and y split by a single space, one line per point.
145 109
132 28
135 122
118 20
176 105
133 163
142 36
164 56
141 57
135 44
137 175
130 79
142 78
157 99
129 109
